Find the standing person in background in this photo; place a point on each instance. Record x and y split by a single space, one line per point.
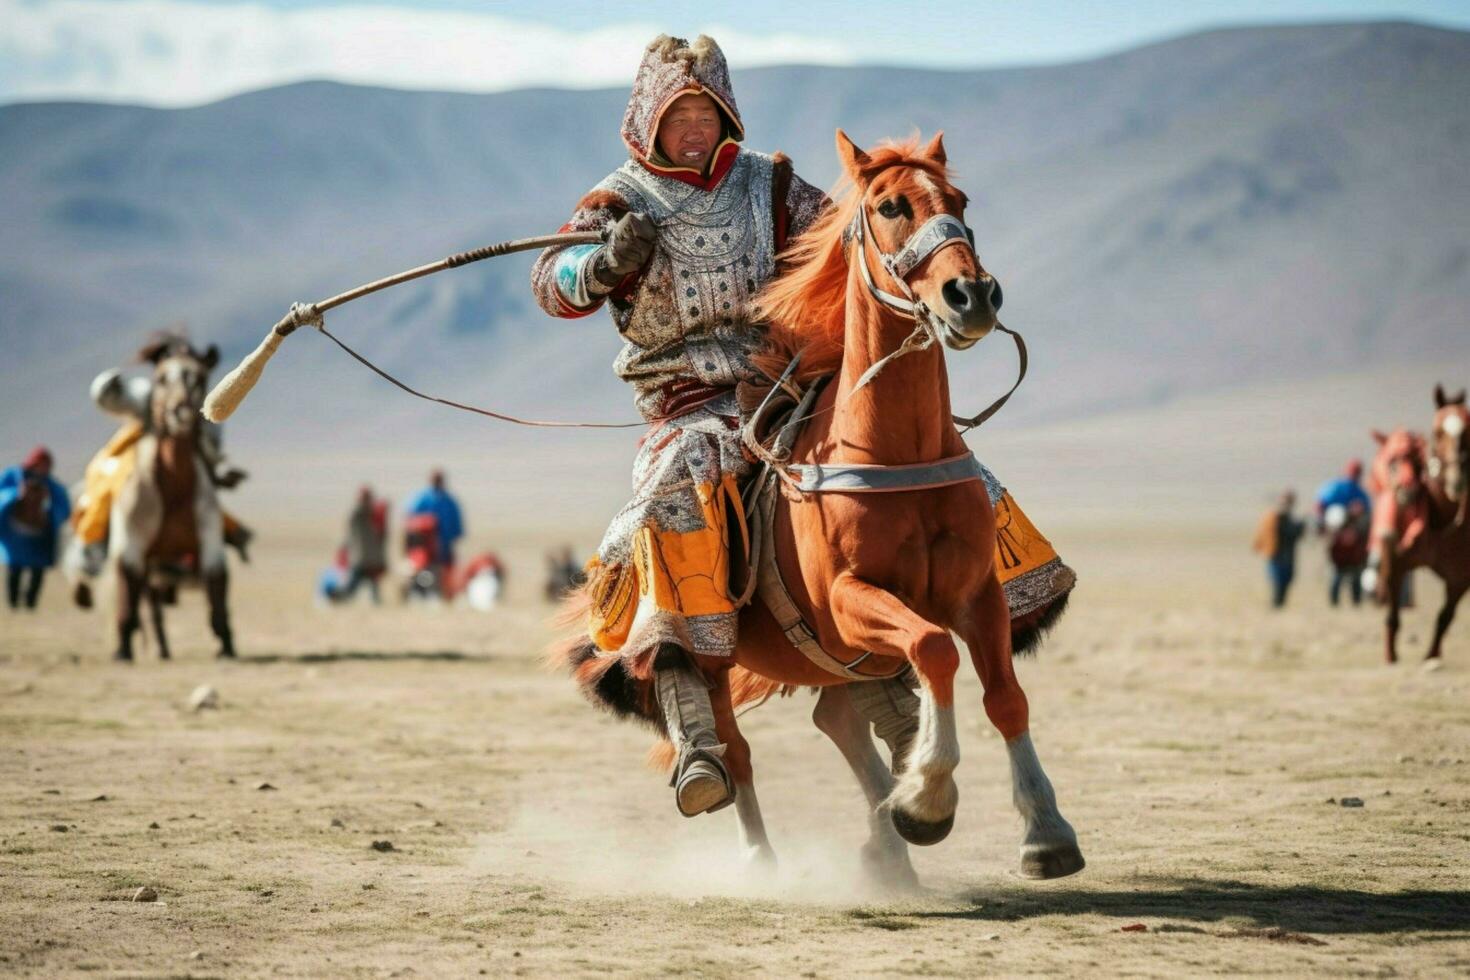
366 547
1276 540
33 507
1342 492
1347 549
434 499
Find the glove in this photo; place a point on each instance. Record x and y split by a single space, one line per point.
629 245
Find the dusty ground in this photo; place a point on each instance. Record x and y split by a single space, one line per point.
1197 741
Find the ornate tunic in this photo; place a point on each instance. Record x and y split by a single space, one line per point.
685 318
661 573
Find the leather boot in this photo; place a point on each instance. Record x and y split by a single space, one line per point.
892 707
701 782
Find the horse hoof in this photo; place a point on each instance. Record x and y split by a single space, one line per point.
225 655
122 657
921 833
760 863
1043 861
889 872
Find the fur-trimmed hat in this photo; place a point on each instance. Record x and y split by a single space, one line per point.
673 67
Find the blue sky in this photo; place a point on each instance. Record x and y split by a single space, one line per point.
179 52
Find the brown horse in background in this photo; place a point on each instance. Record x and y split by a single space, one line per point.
166 522
879 577
1420 507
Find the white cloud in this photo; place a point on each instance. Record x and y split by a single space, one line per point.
175 52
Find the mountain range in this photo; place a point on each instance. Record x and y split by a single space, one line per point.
1240 207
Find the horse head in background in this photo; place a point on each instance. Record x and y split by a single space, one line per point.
166 523
1449 447
1419 510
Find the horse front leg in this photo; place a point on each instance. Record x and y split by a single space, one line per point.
754 844
216 590
922 804
1452 596
885 855
130 585
155 611
1391 590
1049 847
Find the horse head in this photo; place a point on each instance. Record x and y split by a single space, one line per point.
180 382
1399 466
1449 459
908 216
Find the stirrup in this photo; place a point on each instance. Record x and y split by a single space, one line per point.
701 782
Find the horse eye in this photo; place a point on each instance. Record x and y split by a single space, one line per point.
888 209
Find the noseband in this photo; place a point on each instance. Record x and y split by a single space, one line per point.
939 231
929 238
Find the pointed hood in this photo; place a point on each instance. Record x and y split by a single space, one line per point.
673 67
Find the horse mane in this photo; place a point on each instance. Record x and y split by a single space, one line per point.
805 306
1398 443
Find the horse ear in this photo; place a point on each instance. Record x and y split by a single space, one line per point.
1378 437
211 356
853 159
935 150
153 351
1440 401
1458 399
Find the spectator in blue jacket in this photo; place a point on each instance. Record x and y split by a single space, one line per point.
33 508
1343 492
434 499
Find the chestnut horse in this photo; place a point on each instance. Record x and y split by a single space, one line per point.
166 521
882 577
1420 506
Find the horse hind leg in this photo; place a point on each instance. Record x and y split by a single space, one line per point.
924 799
1049 847
216 588
754 844
837 714
1452 596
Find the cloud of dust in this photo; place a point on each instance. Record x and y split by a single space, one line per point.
629 849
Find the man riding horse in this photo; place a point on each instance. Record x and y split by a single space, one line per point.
695 224
129 397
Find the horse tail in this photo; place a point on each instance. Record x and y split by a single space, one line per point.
747 688
1028 632
609 682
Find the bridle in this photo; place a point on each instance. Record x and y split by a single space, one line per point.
938 232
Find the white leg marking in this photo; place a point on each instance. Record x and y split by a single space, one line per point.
753 841
926 789
1035 799
137 511
209 522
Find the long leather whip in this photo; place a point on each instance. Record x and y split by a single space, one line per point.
233 387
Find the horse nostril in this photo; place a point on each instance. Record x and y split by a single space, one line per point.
996 296
958 297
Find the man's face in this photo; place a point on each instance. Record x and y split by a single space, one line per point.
689 130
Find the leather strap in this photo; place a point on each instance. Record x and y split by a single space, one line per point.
835 477
778 600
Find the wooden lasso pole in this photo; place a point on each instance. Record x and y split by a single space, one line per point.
233 387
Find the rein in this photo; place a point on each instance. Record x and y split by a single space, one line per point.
538 423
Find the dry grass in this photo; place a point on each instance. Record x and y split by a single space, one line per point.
1195 740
